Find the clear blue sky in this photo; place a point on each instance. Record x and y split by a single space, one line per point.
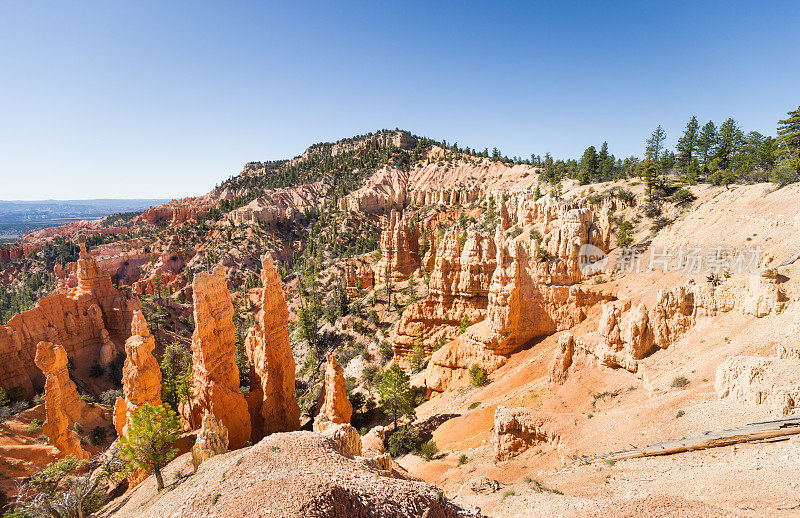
163 99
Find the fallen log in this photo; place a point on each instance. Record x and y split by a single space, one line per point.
714 439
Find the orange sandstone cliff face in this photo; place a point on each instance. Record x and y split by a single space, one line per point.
459 289
89 321
141 376
399 250
215 386
63 406
533 291
333 401
273 407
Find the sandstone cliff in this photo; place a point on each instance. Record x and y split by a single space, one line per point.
399 250
517 429
141 375
215 387
273 407
90 321
63 405
333 400
458 292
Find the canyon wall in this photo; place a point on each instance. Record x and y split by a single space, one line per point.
458 294
399 250
90 320
271 401
215 377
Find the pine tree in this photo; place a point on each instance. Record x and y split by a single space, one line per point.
729 141
654 144
707 143
789 135
588 168
149 442
687 144
395 395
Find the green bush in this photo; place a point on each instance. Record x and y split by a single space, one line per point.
35 426
428 450
478 376
463 459
679 381
404 440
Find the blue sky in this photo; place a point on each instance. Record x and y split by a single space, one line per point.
166 99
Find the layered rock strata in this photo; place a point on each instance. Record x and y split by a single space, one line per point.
215 377
773 382
63 405
399 250
333 400
141 375
458 294
271 401
517 429
90 321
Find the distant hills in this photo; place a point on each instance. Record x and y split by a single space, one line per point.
20 216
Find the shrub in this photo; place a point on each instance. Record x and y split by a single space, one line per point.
98 435
96 370
660 223
35 426
417 359
474 405
404 440
478 376
508 493
463 459
428 450
679 381
109 397
680 414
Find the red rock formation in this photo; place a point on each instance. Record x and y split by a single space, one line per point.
385 190
333 400
273 407
90 321
528 298
215 386
282 205
459 288
141 375
211 440
63 406
399 250
562 359
517 429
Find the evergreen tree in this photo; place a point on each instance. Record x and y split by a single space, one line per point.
707 143
654 144
588 168
729 141
789 136
687 144
395 395
149 442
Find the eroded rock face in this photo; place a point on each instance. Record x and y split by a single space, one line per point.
333 400
399 250
524 303
273 407
628 333
141 375
458 292
63 405
347 438
563 359
89 321
212 439
753 380
517 429
215 387
384 190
